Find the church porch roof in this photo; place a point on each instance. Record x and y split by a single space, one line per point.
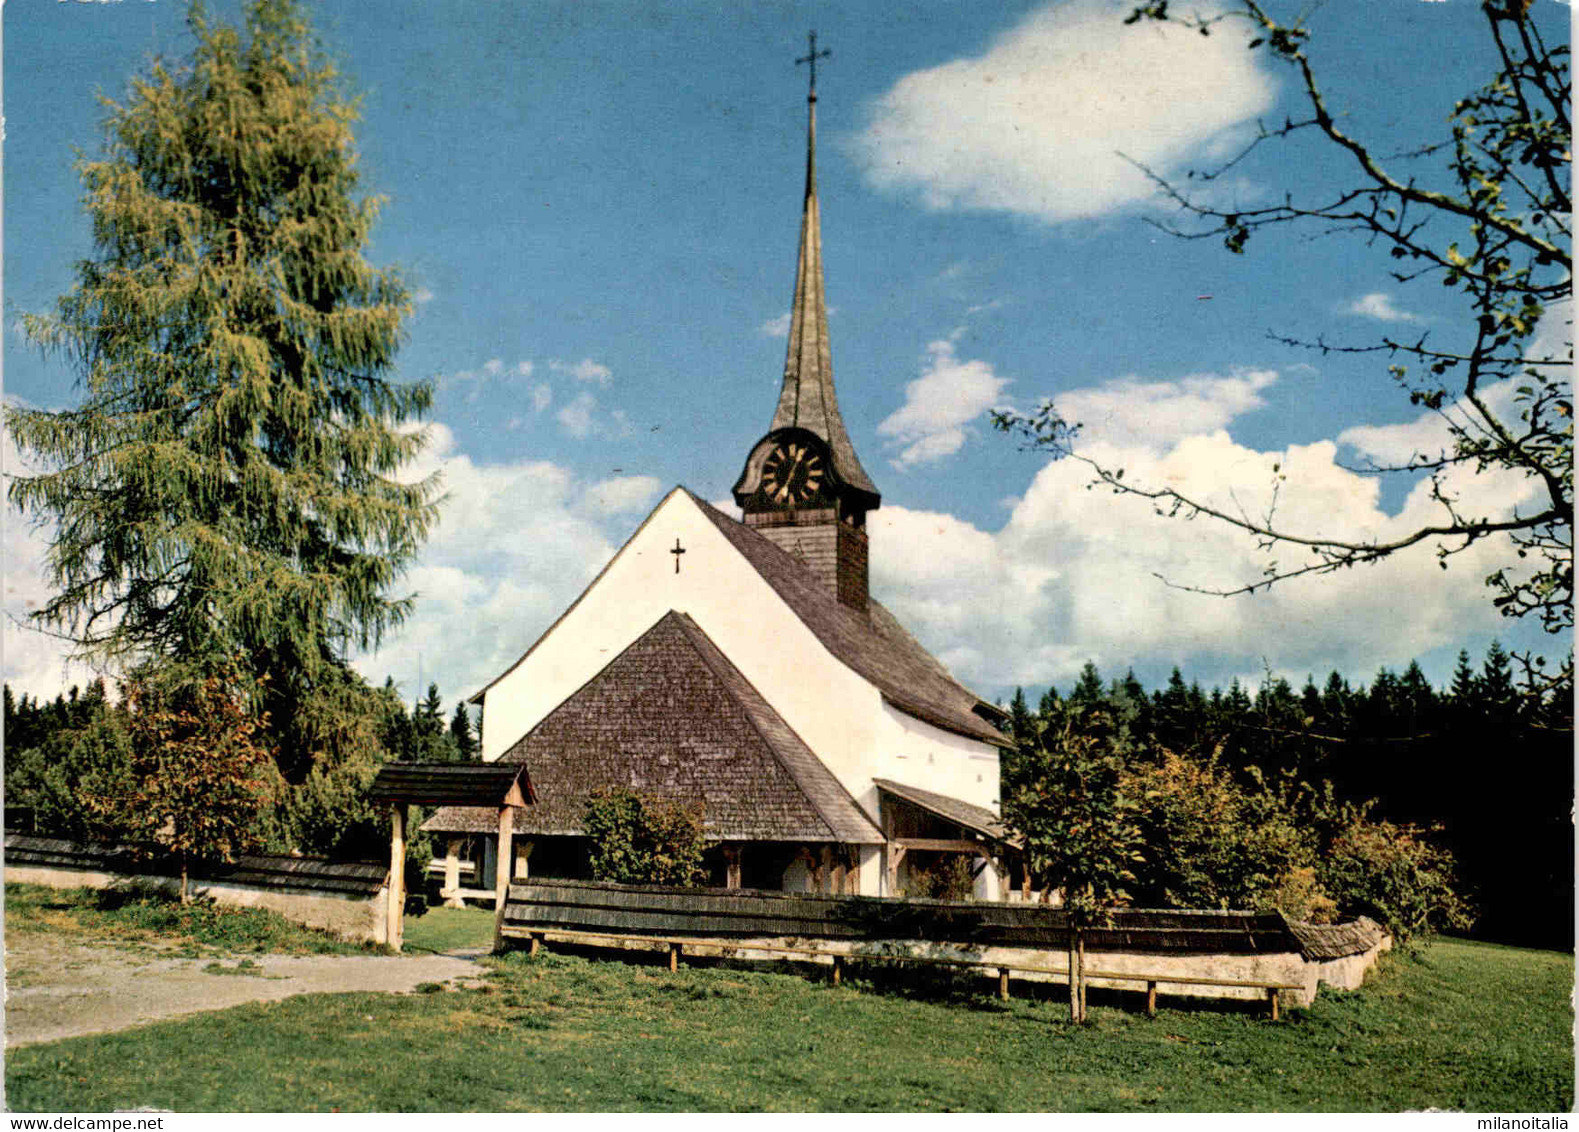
977 819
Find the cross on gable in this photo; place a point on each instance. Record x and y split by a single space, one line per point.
811 57
677 551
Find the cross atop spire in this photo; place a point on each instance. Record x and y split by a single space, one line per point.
811 57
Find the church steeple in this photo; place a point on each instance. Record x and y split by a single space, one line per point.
807 399
803 486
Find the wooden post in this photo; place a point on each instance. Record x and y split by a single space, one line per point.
838 872
1074 990
1025 881
537 941
732 866
1003 983
506 857
1151 998
825 871
896 857
1271 1001
394 915
523 858
452 874
1080 942
674 957
838 969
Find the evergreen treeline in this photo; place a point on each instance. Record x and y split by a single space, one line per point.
64 755
1481 767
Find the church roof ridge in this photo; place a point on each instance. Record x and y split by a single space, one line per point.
877 646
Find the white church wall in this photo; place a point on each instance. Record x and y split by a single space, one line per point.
839 715
918 754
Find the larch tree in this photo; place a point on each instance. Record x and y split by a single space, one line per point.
1483 209
228 489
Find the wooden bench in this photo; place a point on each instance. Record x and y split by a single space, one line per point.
676 946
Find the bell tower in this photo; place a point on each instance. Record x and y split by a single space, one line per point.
803 486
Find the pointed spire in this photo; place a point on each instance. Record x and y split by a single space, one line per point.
807 399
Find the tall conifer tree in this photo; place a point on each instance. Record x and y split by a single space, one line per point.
228 486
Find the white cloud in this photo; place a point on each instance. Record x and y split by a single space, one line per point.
35 661
1074 572
584 370
1035 125
542 397
577 417
1156 414
493 367
514 545
948 395
1380 306
622 495
524 368
776 327
422 296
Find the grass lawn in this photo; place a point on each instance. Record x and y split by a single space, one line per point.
1459 1026
138 921
449 929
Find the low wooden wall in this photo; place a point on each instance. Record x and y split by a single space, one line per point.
346 898
1192 953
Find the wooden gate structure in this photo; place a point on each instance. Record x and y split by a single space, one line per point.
402 785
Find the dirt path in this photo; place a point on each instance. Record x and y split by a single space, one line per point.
59 989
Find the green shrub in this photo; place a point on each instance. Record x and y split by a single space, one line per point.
1397 876
947 878
644 840
1210 842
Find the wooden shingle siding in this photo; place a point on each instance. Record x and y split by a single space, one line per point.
444 784
1337 941
590 906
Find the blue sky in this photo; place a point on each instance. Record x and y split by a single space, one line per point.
597 207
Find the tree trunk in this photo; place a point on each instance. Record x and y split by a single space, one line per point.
186 896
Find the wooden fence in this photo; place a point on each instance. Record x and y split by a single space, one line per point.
1004 938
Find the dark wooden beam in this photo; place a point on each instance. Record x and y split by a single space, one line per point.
944 845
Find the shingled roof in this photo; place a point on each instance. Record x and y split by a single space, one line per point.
978 819
876 646
672 717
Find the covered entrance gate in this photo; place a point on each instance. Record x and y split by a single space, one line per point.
501 786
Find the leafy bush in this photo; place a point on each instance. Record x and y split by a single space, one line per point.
1211 842
644 840
947 878
54 779
346 726
1394 874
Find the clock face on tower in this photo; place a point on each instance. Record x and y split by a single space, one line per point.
792 473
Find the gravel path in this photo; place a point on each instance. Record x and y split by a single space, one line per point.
59 989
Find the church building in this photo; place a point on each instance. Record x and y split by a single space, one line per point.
744 666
